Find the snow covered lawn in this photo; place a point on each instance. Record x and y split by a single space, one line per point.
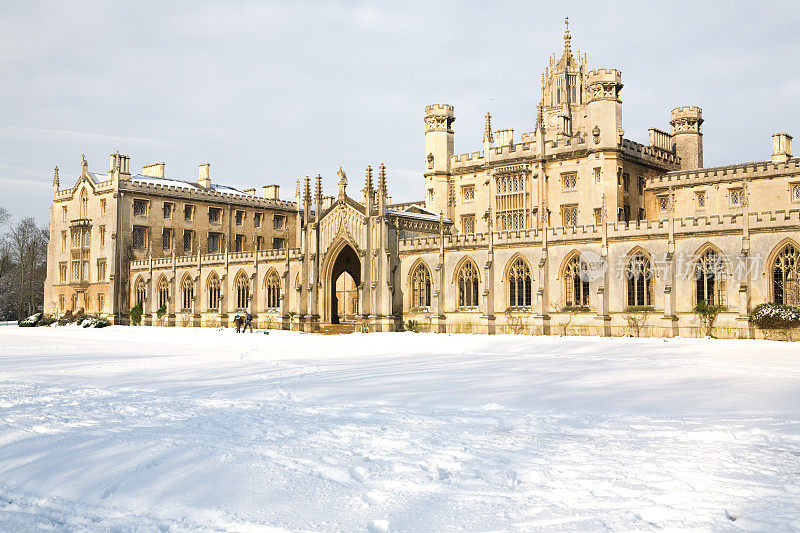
196 429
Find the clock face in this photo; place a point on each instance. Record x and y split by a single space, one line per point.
552 119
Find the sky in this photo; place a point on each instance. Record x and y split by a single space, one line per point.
272 92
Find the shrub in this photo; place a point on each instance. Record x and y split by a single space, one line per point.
136 314
773 316
46 320
413 326
31 321
707 314
161 311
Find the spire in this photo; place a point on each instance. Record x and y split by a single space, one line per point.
307 193
318 192
567 39
487 129
368 180
382 179
55 177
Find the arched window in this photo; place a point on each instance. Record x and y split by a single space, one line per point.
421 287
273 286
213 291
710 278
141 292
162 293
576 283
242 285
639 280
519 284
468 285
786 276
187 293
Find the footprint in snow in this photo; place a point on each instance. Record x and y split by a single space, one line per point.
378 526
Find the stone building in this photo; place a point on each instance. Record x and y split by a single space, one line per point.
573 228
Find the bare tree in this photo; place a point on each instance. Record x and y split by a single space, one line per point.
27 256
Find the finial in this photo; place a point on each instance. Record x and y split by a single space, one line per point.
307 191
83 161
55 176
319 187
487 129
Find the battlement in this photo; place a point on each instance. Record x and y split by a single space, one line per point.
268 256
652 154
689 111
440 109
604 75
732 223
738 172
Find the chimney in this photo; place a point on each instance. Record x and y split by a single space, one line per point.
121 162
272 192
328 201
155 170
249 191
504 137
781 147
205 175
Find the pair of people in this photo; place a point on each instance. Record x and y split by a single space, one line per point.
243 322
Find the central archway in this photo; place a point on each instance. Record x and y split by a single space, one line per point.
346 264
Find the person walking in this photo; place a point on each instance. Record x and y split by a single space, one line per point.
237 321
248 322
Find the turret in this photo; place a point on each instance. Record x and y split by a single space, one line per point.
687 130
604 108
439 120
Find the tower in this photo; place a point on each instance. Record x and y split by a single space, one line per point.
439 120
563 91
687 131
604 108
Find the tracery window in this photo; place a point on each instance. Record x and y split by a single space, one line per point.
576 283
162 293
273 286
187 293
710 278
468 285
786 276
519 284
242 285
141 292
213 291
510 191
639 281
421 287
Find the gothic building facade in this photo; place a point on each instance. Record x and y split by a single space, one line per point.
572 228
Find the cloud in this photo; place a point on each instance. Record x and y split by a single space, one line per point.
14 132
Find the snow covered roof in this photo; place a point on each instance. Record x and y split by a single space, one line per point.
139 178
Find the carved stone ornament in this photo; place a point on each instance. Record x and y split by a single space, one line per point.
596 135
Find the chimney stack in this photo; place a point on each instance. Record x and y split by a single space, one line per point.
272 192
781 147
155 170
205 175
249 191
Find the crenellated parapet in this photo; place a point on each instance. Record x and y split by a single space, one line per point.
726 173
604 84
217 259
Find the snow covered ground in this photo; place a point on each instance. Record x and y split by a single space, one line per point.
200 429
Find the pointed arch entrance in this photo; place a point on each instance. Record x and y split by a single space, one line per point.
342 303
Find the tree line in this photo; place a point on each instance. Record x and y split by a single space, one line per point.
23 266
